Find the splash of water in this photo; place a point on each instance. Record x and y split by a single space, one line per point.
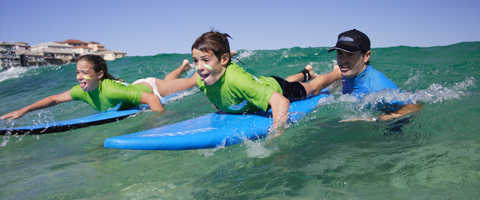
183 94
413 78
40 117
436 93
260 148
246 54
14 72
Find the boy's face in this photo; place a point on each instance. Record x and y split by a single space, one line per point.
208 67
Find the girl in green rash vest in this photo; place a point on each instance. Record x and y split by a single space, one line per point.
100 90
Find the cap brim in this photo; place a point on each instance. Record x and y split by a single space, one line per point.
336 48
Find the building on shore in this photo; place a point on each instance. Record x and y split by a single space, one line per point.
27 57
55 53
22 46
74 43
111 55
51 53
92 47
97 47
79 51
8 57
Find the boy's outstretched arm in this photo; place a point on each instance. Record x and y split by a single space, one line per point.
279 106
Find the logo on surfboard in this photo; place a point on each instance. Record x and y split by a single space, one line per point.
189 132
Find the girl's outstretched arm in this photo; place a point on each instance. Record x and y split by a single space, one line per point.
44 103
165 88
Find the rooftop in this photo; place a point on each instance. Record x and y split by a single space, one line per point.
71 41
55 50
52 44
82 47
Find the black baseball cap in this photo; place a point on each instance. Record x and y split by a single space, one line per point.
352 41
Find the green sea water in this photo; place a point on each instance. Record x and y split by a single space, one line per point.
435 155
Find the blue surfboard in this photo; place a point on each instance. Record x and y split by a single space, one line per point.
209 131
90 120
66 125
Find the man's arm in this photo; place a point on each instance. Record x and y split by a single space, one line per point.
409 108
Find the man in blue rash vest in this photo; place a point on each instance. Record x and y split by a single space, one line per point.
359 77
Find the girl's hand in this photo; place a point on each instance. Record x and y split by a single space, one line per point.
13 115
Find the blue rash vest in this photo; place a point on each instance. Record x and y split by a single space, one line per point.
370 80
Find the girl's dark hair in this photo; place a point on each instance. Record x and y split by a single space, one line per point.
99 64
213 41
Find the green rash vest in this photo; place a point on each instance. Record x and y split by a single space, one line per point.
110 94
237 91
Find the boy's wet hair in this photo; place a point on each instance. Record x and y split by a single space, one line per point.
213 41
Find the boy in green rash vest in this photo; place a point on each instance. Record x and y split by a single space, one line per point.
231 89
101 91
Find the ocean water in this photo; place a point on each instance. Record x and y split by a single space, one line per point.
434 155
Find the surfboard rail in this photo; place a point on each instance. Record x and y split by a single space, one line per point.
209 131
66 125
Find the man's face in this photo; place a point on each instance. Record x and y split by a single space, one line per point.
352 64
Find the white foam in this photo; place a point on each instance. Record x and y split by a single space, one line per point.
413 78
183 94
211 152
435 93
14 72
246 54
259 148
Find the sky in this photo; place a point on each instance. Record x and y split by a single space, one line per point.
144 27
